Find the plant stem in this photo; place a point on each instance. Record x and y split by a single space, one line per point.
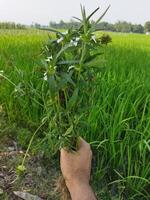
23 161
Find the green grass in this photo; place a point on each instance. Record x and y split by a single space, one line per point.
20 55
119 120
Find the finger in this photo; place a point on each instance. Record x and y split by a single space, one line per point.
84 146
65 152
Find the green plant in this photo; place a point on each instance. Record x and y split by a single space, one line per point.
73 62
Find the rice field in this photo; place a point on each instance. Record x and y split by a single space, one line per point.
118 126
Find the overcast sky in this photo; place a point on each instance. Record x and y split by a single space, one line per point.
43 11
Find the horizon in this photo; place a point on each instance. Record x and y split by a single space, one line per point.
45 11
68 22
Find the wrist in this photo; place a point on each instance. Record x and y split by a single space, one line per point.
80 190
74 184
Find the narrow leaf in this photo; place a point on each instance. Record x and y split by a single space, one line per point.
102 15
51 30
77 19
68 62
92 13
63 49
73 99
68 131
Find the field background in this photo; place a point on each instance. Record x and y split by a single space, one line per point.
119 120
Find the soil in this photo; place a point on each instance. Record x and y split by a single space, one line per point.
39 179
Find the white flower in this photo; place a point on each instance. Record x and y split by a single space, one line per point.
77 39
74 43
94 38
45 76
71 67
59 40
48 59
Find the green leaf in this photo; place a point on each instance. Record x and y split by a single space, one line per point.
92 13
68 62
77 19
67 78
63 50
52 30
83 13
102 15
73 99
52 85
90 58
68 131
20 169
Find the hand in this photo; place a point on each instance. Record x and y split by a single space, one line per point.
76 166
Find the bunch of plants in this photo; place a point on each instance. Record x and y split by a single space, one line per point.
73 61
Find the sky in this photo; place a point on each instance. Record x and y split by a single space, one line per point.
44 11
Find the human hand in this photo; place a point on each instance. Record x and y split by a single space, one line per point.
76 166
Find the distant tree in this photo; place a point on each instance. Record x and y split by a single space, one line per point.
36 25
123 26
106 26
52 24
62 24
11 25
120 26
147 26
75 24
137 28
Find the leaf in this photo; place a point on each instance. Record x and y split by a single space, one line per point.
68 131
73 99
52 85
63 49
90 58
83 13
26 195
77 19
68 78
68 62
147 144
21 168
92 13
102 15
52 30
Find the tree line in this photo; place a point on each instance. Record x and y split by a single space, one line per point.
11 25
120 26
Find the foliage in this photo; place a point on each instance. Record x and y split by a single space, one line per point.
147 26
73 61
105 39
118 121
120 26
11 25
137 28
106 26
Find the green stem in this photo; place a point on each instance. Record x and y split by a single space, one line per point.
5 77
23 161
